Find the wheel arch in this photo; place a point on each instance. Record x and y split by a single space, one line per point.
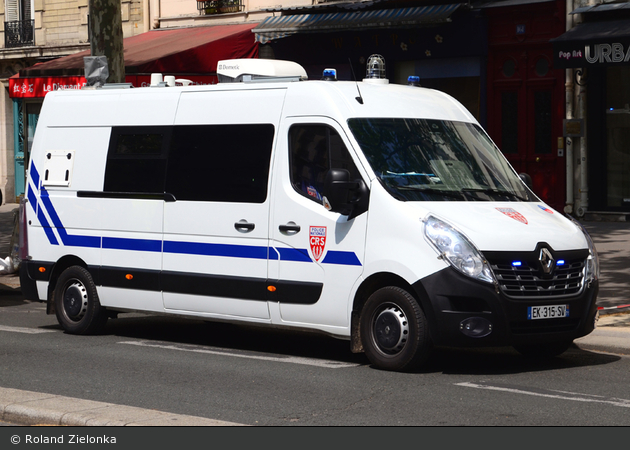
57 270
372 284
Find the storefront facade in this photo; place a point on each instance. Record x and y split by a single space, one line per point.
597 50
526 92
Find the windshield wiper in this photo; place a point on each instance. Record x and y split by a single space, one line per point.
447 193
496 192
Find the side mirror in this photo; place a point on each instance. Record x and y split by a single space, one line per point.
349 198
527 180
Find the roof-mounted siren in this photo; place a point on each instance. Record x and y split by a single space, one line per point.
375 70
248 70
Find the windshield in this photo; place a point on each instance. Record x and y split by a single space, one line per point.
436 160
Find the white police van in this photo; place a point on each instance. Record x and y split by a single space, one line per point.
373 212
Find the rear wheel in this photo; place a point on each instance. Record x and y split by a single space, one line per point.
394 330
77 306
547 350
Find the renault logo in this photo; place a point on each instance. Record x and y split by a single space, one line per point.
546 261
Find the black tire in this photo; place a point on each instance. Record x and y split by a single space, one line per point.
547 350
77 306
394 330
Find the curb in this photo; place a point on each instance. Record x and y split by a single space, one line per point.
34 408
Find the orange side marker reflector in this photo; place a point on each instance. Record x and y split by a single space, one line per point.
129 276
271 288
42 269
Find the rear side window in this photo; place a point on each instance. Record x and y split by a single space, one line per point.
136 160
315 149
220 163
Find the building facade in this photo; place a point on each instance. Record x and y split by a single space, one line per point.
505 60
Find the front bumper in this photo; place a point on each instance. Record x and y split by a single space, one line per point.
450 298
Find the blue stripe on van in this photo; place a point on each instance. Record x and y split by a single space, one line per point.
34 174
294 254
343 258
144 245
234 251
67 239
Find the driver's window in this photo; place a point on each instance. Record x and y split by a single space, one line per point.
315 149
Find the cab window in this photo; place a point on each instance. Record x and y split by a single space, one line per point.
315 149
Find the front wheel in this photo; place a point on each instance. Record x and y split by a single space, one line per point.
77 306
394 330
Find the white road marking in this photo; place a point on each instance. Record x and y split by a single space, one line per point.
573 396
24 330
288 359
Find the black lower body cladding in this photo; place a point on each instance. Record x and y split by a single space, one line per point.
449 299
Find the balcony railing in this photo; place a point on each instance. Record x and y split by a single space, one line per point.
220 6
19 33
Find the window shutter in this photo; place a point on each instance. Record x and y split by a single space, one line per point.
11 10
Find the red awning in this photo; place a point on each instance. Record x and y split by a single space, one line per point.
194 50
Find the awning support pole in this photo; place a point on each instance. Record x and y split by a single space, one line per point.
569 87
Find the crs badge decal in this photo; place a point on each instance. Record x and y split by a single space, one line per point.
511 212
317 240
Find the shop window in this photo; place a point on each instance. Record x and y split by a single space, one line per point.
220 163
314 149
618 137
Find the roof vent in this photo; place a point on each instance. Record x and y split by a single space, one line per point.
248 70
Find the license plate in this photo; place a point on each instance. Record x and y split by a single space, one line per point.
547 312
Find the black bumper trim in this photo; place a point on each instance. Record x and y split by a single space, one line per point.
450 297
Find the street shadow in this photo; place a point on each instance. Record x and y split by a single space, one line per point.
273 342
238 337
506 361
11 297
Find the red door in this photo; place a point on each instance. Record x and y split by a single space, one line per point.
525 117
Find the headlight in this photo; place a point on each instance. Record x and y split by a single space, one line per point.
592 262
457 250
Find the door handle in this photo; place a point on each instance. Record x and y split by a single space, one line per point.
244 226
290 228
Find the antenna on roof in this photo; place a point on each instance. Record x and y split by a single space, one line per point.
360 97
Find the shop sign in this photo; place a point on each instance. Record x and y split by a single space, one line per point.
591 54
38 87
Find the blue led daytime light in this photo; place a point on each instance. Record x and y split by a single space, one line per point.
560 262
517 263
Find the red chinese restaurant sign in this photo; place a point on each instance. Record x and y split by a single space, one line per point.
38 87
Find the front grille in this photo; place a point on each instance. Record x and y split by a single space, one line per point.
528 280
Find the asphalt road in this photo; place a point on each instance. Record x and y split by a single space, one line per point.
259 377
